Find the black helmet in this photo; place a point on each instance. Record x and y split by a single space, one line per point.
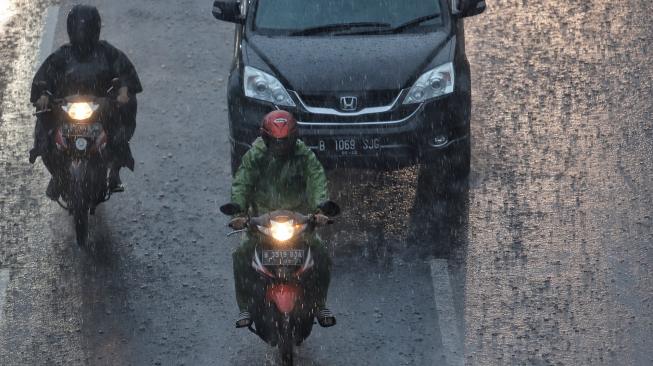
84 25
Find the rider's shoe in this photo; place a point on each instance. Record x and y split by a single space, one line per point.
33 154
326 318
52 191
115 184
244 320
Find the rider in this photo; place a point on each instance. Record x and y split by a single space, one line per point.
279 172
86 66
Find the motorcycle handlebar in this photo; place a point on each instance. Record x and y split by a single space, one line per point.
263 220
58 102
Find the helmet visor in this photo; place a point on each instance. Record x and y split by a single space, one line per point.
279 147
83 26
80 35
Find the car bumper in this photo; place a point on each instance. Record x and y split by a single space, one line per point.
422 134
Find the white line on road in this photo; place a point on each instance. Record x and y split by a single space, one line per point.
4 282
447 315
47 36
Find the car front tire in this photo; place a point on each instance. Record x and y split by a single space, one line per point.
447 172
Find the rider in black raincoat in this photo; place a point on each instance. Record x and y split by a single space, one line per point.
86 66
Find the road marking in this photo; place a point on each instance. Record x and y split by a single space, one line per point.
447 315
4 282
47 36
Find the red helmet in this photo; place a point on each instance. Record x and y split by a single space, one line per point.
279 132
279 124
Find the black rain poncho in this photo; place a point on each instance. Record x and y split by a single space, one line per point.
63 73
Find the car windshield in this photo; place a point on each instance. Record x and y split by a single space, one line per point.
304 17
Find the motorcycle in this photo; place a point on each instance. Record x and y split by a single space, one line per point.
81 138
283 310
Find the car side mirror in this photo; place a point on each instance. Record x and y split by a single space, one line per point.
228 11
469 8
230 209
329 208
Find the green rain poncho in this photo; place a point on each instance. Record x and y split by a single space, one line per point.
264 183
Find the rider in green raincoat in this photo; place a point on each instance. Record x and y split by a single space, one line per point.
279 172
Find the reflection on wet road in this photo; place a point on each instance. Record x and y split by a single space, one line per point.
560 227
6 11
546 250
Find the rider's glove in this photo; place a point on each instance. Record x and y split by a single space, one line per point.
321 219
238 223
123 96
42 103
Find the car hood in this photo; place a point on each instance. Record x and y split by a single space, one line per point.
348 63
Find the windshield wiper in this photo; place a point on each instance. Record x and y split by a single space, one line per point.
415 22
400 28
338 27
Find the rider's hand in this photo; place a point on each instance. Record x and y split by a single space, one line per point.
123 96
321 219
238 223
42 103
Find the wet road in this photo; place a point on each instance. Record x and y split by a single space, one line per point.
543 260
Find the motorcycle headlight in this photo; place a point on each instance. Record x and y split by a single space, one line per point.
432 84
263 86
80 111
282 231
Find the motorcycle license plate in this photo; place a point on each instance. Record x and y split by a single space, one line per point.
77 130
283 257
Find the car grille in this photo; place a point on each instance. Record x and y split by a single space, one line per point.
365 99
399 113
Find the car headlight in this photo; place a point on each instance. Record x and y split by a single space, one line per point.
432 84
263 86
80 111
282 231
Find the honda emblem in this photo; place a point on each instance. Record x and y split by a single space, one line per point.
349 104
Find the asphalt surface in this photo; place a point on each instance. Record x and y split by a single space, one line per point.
542 258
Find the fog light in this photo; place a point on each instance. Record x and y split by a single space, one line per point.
439 141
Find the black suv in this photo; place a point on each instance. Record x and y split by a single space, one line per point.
373 83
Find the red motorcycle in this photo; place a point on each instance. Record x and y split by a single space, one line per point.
81 139
283 310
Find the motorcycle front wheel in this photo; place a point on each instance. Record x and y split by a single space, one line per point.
80 215
286 352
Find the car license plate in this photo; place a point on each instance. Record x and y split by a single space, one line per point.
350 145
283 257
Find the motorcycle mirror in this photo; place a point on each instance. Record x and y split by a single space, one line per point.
329 208
230 209
115 85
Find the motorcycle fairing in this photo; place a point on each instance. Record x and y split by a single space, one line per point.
284 296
